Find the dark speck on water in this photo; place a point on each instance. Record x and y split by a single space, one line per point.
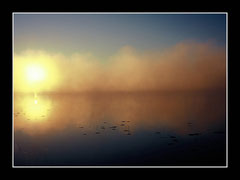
97 132
172 137
113 127
158 132
194 134
84 134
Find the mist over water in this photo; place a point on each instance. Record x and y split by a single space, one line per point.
183 67
133 108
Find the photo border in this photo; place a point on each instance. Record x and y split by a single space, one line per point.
226 13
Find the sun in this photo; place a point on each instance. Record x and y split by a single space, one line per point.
35 73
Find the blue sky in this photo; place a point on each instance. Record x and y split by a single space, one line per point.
104 34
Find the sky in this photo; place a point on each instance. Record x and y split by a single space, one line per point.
121 52
104 34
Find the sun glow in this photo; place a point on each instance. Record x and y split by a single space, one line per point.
35 101
34 72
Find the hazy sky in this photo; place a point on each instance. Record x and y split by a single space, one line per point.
103 35
121 52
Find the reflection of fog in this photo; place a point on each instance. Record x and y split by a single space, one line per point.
148 112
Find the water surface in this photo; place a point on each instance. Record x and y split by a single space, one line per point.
126 129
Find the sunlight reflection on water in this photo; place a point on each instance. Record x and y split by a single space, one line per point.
101 121
142 112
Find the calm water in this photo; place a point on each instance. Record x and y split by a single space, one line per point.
120 129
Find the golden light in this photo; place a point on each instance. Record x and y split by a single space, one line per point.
35 101
36 110
35 73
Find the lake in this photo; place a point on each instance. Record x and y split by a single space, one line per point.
120 129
